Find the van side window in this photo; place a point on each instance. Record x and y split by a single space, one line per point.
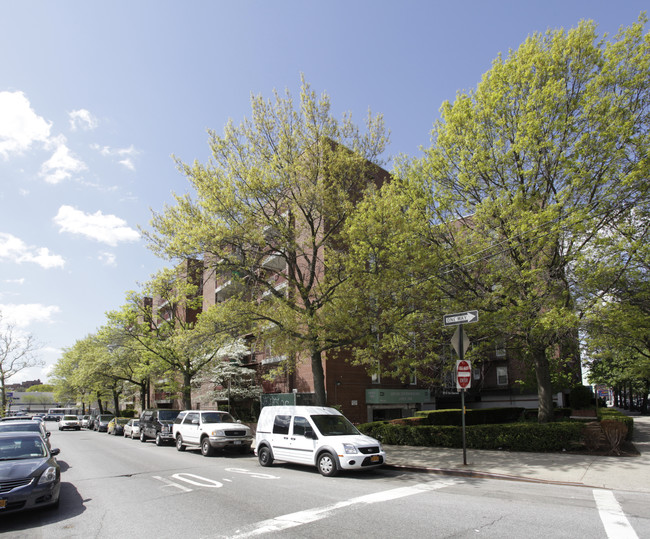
281 424
299 425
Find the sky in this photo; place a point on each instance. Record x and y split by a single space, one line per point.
96 99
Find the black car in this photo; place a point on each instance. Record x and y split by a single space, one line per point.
30 476
28 425
157 424
101 422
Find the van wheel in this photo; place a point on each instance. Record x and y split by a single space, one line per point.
206 449
264 456
179 443
327 465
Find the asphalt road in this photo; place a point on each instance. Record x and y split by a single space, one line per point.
115 487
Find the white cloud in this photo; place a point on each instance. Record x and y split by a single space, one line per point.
20 281
108 229
22 315
107 258
127 154
82 119
16 250
62 165
20 126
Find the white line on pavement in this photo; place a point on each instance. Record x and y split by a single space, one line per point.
617 526
311 515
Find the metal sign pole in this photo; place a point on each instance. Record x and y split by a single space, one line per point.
462 396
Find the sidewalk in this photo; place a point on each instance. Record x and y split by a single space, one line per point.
620 473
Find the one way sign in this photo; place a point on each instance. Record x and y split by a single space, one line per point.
460 318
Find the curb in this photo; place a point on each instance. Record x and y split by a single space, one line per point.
473 474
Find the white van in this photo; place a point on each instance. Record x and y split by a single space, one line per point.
316 436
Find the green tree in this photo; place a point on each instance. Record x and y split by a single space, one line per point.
268 209
154 326
41 388
521 175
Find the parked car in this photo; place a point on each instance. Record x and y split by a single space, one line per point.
157 424
116 426
85 420
27 425
314 435
70 422
30 476
210 430
101 422
132 428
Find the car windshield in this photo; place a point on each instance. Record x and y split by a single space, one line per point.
168 415
122 420
22 427
334 425
214 417
70 418
105 417
31 448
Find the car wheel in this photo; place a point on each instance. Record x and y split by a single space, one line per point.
244 449
179 443
143 438
327 465
206 449
159 440
264 456
131 435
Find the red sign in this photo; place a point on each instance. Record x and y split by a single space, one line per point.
463 374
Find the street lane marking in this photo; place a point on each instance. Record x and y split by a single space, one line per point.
197 480
617 526
257 475
169 483
312 515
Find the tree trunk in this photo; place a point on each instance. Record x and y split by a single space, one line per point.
319 377
116 403
544 385
187 391
143 396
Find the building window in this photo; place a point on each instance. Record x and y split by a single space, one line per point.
502 376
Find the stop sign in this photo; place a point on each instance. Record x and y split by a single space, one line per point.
463 374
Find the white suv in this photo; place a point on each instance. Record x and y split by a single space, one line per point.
210 430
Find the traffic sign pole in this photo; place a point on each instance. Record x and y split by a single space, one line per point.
461 355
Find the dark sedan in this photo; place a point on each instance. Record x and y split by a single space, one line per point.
26 426
30 476
101 422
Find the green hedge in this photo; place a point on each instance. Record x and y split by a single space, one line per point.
478 416
535 437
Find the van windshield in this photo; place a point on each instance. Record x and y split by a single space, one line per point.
334 425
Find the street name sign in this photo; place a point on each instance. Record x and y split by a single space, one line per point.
463 374
468 317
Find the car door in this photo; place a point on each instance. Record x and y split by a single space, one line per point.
301 441
280 438
191 428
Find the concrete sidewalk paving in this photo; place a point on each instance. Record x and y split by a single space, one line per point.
620 473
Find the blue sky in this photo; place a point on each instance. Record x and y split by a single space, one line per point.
96 97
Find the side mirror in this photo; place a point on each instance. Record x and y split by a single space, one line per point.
55 452
48 434
195 421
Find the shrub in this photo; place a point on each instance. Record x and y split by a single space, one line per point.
478 416
615 432
605 414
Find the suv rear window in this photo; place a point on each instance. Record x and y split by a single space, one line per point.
168 415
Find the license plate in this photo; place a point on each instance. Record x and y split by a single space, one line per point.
237 442
375 458
3 504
